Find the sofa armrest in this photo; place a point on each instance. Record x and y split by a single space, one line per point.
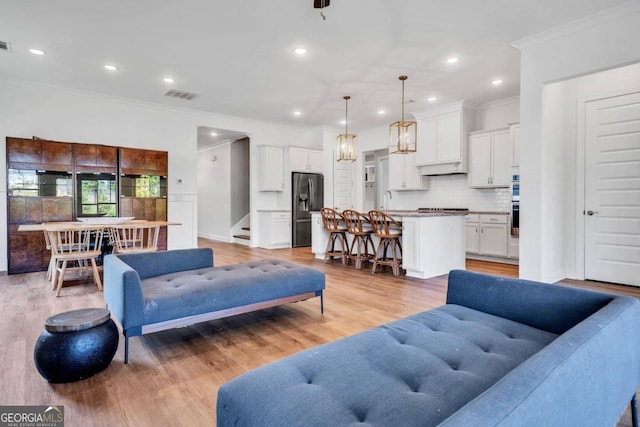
586 377
552 308
123 294
150 264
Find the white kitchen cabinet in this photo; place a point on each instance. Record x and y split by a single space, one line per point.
514 131
490 159
432 245
514 247
275 229
486 234
403 174
271 166
442 138
319 236
305 160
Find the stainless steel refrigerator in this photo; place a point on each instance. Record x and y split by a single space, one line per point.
307 190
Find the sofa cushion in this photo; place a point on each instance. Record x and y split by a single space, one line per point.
413 372
188 293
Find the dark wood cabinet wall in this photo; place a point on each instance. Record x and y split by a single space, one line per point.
26 250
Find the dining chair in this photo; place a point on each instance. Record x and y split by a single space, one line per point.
389 251
134 237
359 227
78 247
333 223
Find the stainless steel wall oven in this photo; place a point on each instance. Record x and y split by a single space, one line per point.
515 205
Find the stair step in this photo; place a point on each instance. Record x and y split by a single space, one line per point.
246 228
242 236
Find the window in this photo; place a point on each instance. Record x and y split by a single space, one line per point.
98 195
143 186
36 183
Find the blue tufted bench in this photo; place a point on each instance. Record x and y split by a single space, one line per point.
150 292
502 352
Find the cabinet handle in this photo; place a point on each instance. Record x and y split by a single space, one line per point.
482 230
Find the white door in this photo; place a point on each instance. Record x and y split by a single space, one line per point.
342 185
383 180
612 190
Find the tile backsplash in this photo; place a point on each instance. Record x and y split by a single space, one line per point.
452 191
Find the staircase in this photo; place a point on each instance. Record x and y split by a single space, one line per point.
244 236
241 231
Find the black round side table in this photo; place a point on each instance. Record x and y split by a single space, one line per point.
75 345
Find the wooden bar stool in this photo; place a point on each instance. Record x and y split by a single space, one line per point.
358 226
333 223
389 231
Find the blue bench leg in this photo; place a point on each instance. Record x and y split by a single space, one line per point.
634 411
126 349
322 307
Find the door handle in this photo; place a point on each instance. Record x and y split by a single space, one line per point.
590 213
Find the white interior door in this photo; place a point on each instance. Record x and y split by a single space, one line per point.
383 180
342 185
612 190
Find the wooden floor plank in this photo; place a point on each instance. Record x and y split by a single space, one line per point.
173 376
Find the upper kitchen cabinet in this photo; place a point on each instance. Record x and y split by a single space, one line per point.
442 138
96 158
490 159
271 168
136 161
305 160
404 175
38 154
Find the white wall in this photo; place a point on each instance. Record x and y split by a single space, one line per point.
28 109
214 192
596 43
239 175
497 114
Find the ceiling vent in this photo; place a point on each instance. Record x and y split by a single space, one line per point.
181 94
5 46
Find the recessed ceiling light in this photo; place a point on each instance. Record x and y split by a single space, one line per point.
432 99
168 80
496 82
37 51
110 67
297 113
213 134
300 51
381 112
343 122
452 60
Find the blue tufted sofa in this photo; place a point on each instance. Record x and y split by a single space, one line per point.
155 291
502 351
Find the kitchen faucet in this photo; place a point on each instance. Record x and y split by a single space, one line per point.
385 202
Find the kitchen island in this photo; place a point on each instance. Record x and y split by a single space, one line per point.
433 241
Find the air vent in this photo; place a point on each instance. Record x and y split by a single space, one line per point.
181 94
5 46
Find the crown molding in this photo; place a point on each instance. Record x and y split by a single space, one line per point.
578 25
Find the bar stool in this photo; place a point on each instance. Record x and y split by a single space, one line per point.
358 226
389 241
331 220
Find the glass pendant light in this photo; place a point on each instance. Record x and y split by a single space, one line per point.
403 134
346 143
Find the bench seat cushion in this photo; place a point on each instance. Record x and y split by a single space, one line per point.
188 293
413 372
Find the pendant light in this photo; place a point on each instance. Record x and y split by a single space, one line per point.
403 134
346 143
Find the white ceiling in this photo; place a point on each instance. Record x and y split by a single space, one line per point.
238 54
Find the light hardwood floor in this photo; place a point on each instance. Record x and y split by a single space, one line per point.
173 376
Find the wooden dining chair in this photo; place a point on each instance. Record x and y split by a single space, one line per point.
134 237
75 249
333 223
359 227
389 251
